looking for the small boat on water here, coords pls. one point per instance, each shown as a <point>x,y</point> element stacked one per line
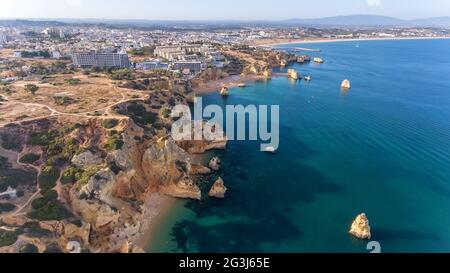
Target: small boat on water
<point>224,92</point>
<point>318,60</point>
<point>346,84</point>
<point>242,85</point>
<point>308,78</point>
<point>270,150</point>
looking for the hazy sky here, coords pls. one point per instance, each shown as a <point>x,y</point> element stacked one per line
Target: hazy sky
<point>219,9</point>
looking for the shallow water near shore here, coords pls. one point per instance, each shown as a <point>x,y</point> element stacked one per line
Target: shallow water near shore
<point>382,148</point>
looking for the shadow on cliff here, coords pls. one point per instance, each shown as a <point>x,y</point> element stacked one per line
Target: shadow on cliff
<point>257,211</point>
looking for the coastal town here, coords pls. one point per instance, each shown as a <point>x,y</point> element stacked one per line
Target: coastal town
<point>86,157</point>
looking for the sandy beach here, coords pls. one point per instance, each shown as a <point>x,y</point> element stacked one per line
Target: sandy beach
<point>229,82</point>
<point>278,42</point>
<point>158,206</point>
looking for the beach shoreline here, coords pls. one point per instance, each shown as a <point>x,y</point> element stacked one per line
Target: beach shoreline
<point>217,85</point>
<point>229,82</point>
<point>319,41</point>
<point>157,207</point>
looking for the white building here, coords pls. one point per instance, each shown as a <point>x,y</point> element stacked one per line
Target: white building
<point>101,60</point>
<point>192,66</point>
<point>177,52</point>
<point>56,54</point>
<point>155,65</point>
<point>17,54</point>
<point>54,32</point>
<point>3,39</point>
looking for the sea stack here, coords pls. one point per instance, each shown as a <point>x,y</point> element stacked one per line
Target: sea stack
<point>218,190</point>
<point>214,164</point>
<point>361,228</point>
<point>224,92</point>
<point>318,60</point>
<point>346,84</point>
<point>293,74</point>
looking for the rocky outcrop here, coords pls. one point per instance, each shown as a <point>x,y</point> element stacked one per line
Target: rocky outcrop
<point>86,160</point>
<point>201,146</point>
<point>361,228</point>
<point>267,73</point>
<point>218,190</point>
<point>101,186</point>
<point>215,139</point>
<point>110,195</point>
<point>214,164</point>
<point>185,188</point>
<point>96,213</point>
<point>67,231</point>
<point>14,221</point>
<point>166,166</point>
<point>200,170</point>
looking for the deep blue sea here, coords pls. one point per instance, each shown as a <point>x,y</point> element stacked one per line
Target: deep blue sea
<point>382,148</point>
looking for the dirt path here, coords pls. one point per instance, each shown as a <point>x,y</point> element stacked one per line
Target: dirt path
<point>14,158</point>
<point>55,112</point>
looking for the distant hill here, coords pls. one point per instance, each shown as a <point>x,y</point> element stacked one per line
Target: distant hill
<point>353,20</point>
<point>433,22</point>
<point>15,23</point>
<point>369,20</point>
<point>336,21</point>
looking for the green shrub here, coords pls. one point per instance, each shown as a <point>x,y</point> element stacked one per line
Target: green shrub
<point>6,207</point>
<point>43,139</point>
<point>50,195</point>
<point>10,142</point>
<point>29,158</point>
<point>110,123</point>
<point>28,248</point>
<point>13,178</point>
<point>53,248</point>
<point>140,115</point>
<point>122,74</point>
<point>7,238</point>
<point>85,177</point>
<point>146,50</point>
<point>32,88</point>
<point>71,175</point>
<point>57,160</point>
<point>48,177</point>
<point>47,197</point>
<point>114,142</point>
<point>62,100</point>
<point>33,229</point>
<point>165,113</point>
<point>52,211</point>
<point>38,203</point>
<point>55,149</point>
<point>73,81</point>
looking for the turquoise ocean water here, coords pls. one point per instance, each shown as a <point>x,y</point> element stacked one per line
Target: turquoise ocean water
<point>382,148</point>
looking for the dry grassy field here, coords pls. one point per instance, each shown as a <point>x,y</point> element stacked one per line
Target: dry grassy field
<point>91,96</point>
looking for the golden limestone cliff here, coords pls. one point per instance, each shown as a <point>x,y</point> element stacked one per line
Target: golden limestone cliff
<point>110,173</point>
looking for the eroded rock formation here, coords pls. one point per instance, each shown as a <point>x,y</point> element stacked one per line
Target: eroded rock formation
<point>361,228</point>
<point>218,190</point>
<point>214,164</point>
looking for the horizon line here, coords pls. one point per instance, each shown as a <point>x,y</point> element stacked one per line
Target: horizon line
<point>209,20</point>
